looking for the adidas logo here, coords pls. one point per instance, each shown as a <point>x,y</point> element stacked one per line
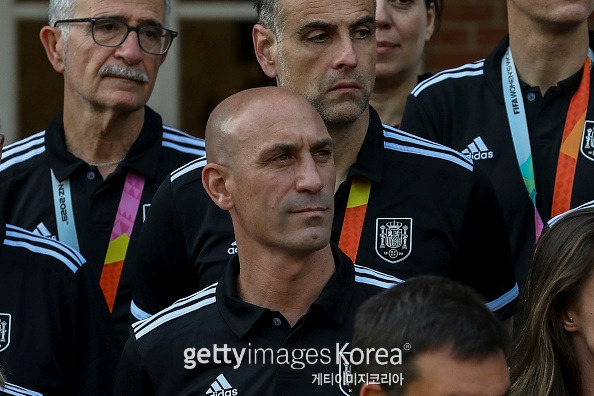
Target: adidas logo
<point>42,230</point>
<point>477,150</point>
<point>221,387</point>
<point>233,249</point>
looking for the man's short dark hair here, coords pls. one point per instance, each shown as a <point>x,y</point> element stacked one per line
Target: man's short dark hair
<point>428,313</point>
<point>269,13</point>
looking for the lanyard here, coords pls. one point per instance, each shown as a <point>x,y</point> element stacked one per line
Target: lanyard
<point>64,212</point>
<point>514,105</point>
<point>354,215</point>
<point>120,234</point>
<point>570,143</point>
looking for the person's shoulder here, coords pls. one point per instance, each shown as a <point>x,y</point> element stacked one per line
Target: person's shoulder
<point>165,322</point>
<point>450,79</point>
<point>38,250</point>
<point>23,151</point>
<point>13,389</point>
<point>428,151</point>
<point>182,142</point>
<point>377,280</point>
<point>188,175</point>
<point>369,282</point>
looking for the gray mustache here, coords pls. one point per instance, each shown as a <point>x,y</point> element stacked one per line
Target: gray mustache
<point>121,71</point>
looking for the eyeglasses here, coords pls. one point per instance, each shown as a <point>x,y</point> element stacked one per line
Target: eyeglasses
<point>110,32</point>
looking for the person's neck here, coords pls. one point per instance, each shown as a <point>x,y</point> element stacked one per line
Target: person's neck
<point>288,283</point>
<point>101,137</point>
<point>389,97</point>
<point>348,139</point>
<point>545,56</point>
<point>585,362</point>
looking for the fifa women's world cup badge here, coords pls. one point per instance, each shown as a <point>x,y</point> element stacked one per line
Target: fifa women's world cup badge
<point>393,238</point>
<point>4,331</point>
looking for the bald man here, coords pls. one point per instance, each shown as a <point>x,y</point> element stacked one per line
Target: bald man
<point>288,291</point>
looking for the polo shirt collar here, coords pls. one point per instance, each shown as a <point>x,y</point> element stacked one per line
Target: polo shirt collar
<point>143,155</point>
<point>492,70</point>
<point>333,302</point>
<point>370,159</point>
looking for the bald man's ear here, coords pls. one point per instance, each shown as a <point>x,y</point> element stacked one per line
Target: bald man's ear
<point>264,47</point>
<point>52,40</point>
<point>214,177</point>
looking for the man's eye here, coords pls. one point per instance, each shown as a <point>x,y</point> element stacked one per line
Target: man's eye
<point>319,38</point>
<point>107,26</point>
<point>363,33</point>
<point>324,154</point>
<point>400,2</point>
<point>281,157</point>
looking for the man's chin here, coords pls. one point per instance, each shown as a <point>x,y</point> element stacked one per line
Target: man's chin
<point>345,113</point>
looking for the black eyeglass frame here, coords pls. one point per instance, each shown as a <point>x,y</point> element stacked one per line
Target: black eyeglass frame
<point>137,29</point>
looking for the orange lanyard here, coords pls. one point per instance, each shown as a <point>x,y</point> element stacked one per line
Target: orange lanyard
<point>354,216</point>
<point>570,144</point>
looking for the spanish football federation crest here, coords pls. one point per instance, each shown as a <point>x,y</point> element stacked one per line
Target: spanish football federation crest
<point>4,331</point>
<point>587,146</point>
<point>344,373</point>
<point>393,238</point>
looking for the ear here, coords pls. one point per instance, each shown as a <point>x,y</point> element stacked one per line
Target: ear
<point>51,38</point>
<point>265,47</point>
<point>570,319</point>
<point>214,180</point>
<point>372,390</point>
<point>431,20</point>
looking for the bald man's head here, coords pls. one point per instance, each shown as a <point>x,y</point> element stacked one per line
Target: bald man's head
<point>271,165</point>
<point>240,118</point>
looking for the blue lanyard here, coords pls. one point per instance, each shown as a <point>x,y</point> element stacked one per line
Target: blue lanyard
<point>64,212</point>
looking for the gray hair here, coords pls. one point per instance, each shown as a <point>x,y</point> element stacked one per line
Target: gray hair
<point>270,15</point>
<point>64,9</point>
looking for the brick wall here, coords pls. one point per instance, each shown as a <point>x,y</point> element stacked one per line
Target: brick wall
<point>469,31</point>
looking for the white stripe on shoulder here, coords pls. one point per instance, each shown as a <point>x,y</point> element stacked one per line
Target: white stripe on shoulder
<point>18,237</point>
<point>12,389</point>
<point>375,278</point>
<point>182,141</point>
<point>138,312</point>
<point>504,299</point>
<point>180,308</point>
<point>23,150</point>
<point>198,163</point>
<point>399,140</point>
<point>555,219</point>
<point>468,70</point>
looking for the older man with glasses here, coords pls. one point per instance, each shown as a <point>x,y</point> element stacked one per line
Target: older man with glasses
<point>89,177</point>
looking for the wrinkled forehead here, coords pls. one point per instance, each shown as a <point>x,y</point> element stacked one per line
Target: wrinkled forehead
<point>139,10</point>
<point>334,12</point>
